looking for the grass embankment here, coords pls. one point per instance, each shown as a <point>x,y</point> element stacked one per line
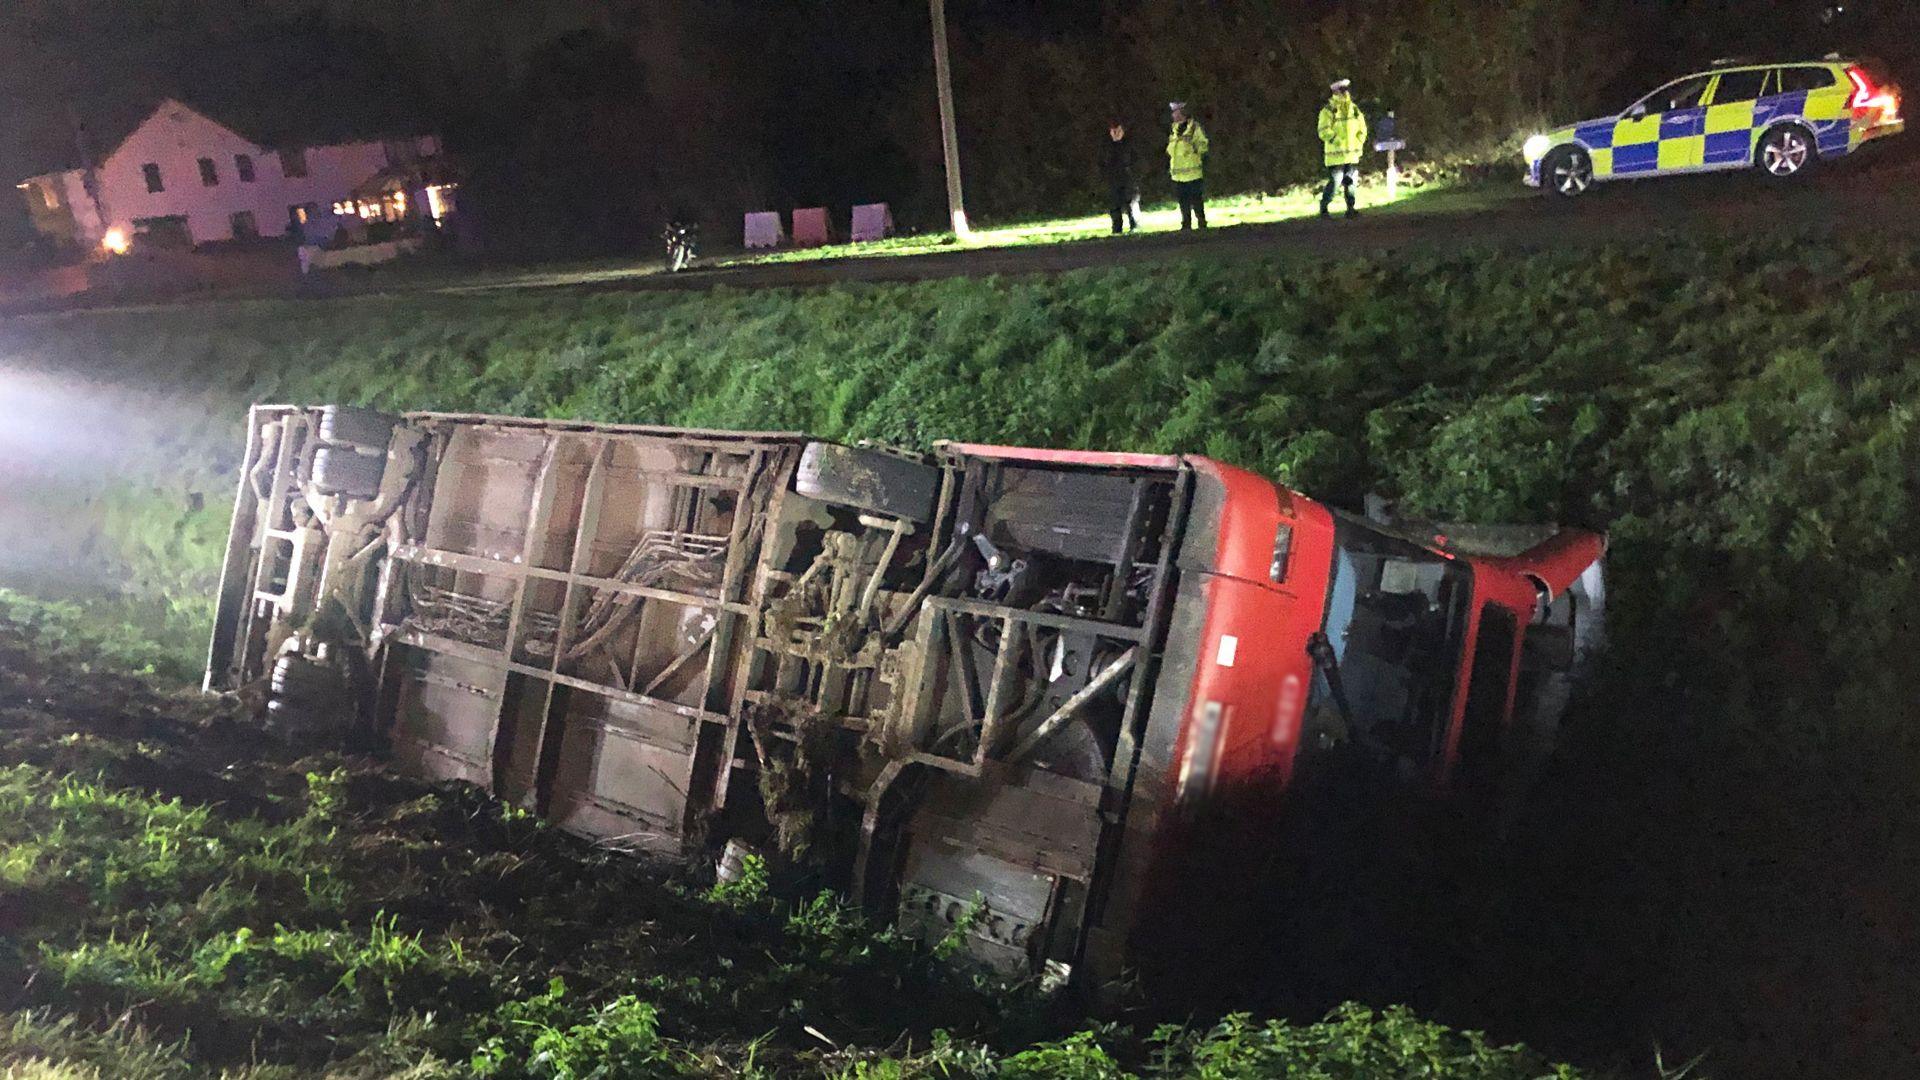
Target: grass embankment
<point>184,899</point>
<point>1724,854</point>
<point>1451,187</point>
<point>1433,189</point>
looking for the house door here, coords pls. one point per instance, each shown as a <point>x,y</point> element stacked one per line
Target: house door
<point>244,227</point>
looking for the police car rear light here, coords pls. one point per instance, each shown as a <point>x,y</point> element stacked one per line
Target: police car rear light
<point>1863,91</point>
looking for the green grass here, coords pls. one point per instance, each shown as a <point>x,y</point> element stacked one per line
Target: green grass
<point>1425,191</point>
<point>1226,212</point>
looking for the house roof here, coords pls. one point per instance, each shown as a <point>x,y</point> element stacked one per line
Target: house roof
<point>105,132</point>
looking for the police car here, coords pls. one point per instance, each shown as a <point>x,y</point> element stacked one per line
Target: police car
<point>1781,118</point>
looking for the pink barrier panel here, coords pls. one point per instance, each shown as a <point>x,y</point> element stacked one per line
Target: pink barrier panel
<point>811,227</point>
<point>763,230</point>
<point>872,221</point>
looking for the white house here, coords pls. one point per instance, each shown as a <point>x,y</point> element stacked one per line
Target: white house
<point>185,178</point>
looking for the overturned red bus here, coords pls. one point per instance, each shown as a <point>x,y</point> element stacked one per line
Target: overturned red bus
<point>980,687</point>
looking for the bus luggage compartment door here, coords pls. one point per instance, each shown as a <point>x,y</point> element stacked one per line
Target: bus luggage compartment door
<point>1004,860</point>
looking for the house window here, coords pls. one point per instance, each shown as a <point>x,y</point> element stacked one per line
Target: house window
<point>209,173</point>
<point>152,173</point>
<point>293,163</point>
<point>303,221</point>
<point>439,201</point>
<point>244,227</point>
<point>243,165</point>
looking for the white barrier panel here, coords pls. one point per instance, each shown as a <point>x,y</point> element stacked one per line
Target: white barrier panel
<point>763,230</point>
<point>872,221</point>
<point>317,258</point>
<point>811,227</point>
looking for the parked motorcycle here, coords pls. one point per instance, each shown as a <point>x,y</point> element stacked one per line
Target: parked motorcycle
<point>683,245</point>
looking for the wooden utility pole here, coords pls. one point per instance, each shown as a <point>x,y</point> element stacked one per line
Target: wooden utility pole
<point>949,137</point>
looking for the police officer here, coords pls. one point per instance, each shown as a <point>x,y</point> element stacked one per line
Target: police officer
<point>1116,168</point>
<point>1186,164</point>
<point>1343,135</point>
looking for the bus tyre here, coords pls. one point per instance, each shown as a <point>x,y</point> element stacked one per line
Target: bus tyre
<point>1787,151</point>
<point>339,471</point>
<point>364,429</point>
<point>308,698</point>
<point>1567,172</point>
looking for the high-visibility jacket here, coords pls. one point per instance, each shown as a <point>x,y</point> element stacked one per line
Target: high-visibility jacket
<point>1343,131</point>
<point>1186,151</point>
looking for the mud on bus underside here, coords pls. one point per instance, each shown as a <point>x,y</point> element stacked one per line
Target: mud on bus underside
<point>926,678</point>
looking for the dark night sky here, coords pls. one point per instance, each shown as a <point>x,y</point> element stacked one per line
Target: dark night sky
<point>359,63</point>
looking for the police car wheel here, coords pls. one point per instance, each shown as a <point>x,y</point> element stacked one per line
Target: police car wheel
<point>1786,151</point>
<point>1567,172</point>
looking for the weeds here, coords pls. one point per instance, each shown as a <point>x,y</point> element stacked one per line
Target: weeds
<point>954,940</point>
<point>748,890</point>
<point>550,1037</point>
<point>154,938</point>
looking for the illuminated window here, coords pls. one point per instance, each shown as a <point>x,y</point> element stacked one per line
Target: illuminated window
<point>243,167</point>
<point>152,173</point>
<point>439,200</point>
<point>209,172</point>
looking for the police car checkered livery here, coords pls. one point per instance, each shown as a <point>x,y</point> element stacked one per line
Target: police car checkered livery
<point>1777,117</point>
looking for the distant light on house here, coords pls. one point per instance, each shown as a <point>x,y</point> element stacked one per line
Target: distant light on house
<point>438,204</point>
<point>117,241</point>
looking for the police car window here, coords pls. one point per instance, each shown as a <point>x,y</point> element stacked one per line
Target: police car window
<point>1740,86</point>
<point>1683,94</point>
<point>1806,78</point>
